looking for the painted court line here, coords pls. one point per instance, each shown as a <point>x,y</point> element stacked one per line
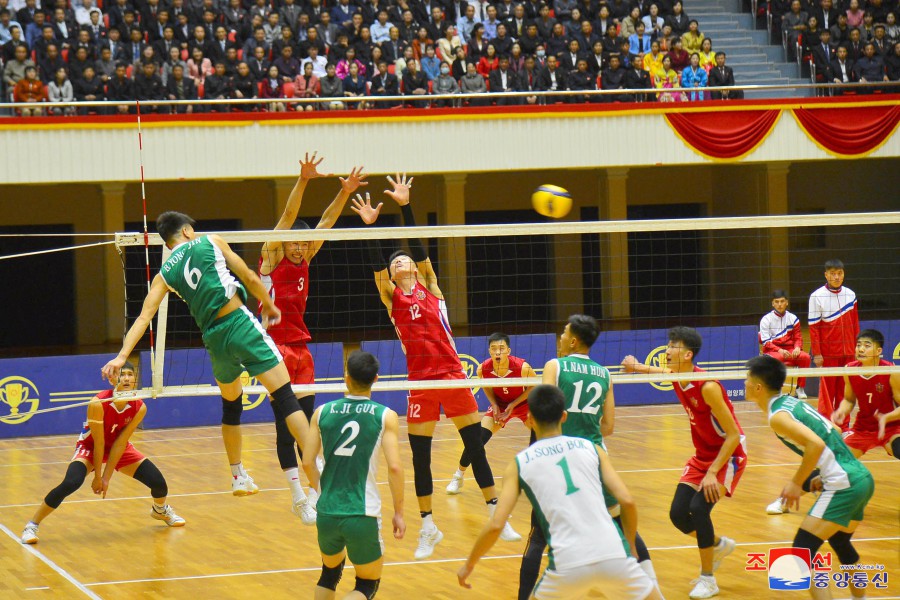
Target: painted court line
<point>415,562</point>
<point>65,574</point>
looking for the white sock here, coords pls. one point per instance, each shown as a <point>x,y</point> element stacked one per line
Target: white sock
<point>428,523</point>
<point>460,473</point>
<point>647,566</point>
<point>293,477</point>
<point>238,470</point>
<point>160,508</point>
<point>492,508</point>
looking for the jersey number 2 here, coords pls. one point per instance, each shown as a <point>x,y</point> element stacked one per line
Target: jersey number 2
<point>345,449</point>
<point>591,407</point>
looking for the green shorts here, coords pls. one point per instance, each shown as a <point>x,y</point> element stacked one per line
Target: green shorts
<point>843,506</point>
<point>237,342</point>
<point>360,535</point>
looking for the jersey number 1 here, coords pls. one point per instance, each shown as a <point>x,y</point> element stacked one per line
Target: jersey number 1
<point>570,485</point>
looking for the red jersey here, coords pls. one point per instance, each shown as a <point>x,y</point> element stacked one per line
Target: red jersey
<point>708,436</point>
<point>873,394</point>
<point>504,395</point>
<point>114,421</point>
<point>420,319</point>
<point>288,286</point>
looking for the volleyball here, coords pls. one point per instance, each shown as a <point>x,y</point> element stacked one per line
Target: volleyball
<point>552,201</point>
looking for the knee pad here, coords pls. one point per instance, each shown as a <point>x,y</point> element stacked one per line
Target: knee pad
<point>284,402</point>
<point>840,543</point>
<point>308,405</point>
<point>231,411</point>
<point>367,587</point>
<point>148,474</point>
<point>331,576</point>
<point>805,539</point>
<point>680,510</point>
<point>284,445</point>
<point>808,483</point>
<point>700,517</point>
<point>895,448</point>
<point>420,445</point>
<point>472,440</point>
<point>74,478</point>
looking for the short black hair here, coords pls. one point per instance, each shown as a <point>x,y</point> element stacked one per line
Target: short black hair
<point>834,263</point>
<point>769,370</point>
<point>872,334</point>
<point>170,223</point>
<point>585,328</point>
<point>779,293</point>
<point>300,225</point>
<point>546,403</point>
<point>395,254</point>
<point>362,367</point>
<point>720,53</point>
<point>498,337</point>
<point>128,367</point>
<point>688,336</point>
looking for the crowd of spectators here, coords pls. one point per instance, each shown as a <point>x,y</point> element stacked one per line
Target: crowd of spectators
<point>338,50</point>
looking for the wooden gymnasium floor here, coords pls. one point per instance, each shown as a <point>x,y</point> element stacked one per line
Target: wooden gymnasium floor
<point>254,547</point>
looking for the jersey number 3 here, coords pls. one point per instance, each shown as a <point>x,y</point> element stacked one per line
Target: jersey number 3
<point>345,449</point>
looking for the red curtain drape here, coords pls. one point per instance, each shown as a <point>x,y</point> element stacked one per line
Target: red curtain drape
<point>849,131</point>
<point>724,134</point>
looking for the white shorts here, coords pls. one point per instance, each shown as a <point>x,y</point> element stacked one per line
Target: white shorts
<point>620,578</point>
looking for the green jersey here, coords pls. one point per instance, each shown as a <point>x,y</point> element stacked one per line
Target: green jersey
<point>196,271</point>
<point>585,384</point>
<point>838,467</point>
<point>351,429</point>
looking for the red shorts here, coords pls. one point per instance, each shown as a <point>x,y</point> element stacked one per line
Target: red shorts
<point>519,412</point>
<point>424,406</point>
<point>867,440</point>
<point>129,457</point>
<point>695,470</point>
<point>299,363</point>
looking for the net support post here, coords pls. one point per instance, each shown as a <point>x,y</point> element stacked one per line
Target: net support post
<point>113,205</point>
<point>613,204</point>
<point>162,317</point>
<point>452,211</point>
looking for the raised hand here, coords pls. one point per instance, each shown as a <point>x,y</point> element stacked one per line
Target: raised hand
<point>355,180</point>
<point>401,186</point>
<point>110,370</point>
<point>364,208</point>
<point>309,167</point>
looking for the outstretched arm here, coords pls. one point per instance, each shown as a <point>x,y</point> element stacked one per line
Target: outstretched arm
<point>354,181</point>
<point>158,291</point>
<point>118,448</point>
<point>272,252</point>
<point>400,194</point>
<point>369,215</point>
<point>632,365</point>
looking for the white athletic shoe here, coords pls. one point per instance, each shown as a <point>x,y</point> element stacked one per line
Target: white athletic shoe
<point>456,484</point>
<point>29,536</point>
<point>427,541</point>
<point>168,515</point>
<point>801,393</point>
<point>508,534</point>
<point>704,587</point>
<point>779,507</point>
<point>320,464</point>
<point>243,486</point>
<point>724,548</point>
<point>305,510</point>
<point>313,496</point>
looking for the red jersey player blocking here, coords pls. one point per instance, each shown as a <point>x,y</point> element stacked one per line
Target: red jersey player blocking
<point>409,290</point>
<point>833,327</point>
<point>718,462</point>
<point>109,425</point>
<point>878,419</point>
<point>284,270</point>
<point>506,402</point>
<point>779,335</point>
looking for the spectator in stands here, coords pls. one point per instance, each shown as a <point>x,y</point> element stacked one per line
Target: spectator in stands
<point>595,59</point>
<point>558,42</point>
<point>199,67</point>
<point>823,52</point>
<point>569,59</point>
<point>381,28</point>
<point>840,70</point>
<point>867,29</point>
<point>653,22</point>
<point>636,78</point>
<point>680,58</point>
<point>89,89</point>
<point>120,88</point>
<point>385,84</point>
<point>394,47</point>
<point>50,64</point>
<point>401,63</point>
<point>854,46</point>
<point>855,15</point>
<point>163,46</point>
<point>318,61</point>
<point>307,86</point>
<point>408,27</point>
<point>39,46</point>
<point>289,14</point>
<point>653,60</point>
<point>437,25</point>
<point>604,21</point>
<point>477,44</point>
<point>516,59</point>
<point>545,23</point>
<point>840,32</point>
<point>678,20</point>
<point>488,62</point>
<point>114,43</point>
<point>342,13</point>
<point>629,23</point>
<point>64,32</point>
<point>445,84</point>
<point>869,69</point>
<point>34,29</point>
<point>722,75</point>
<point>473,83</point>
<point>328,31</point>
<point>173,59</point>
<point>795,23</point>
<point>552,79</point>
<point>259,64</point>
<point>272,28</point>
<point>618,10</point>
<point>83,40</point>
<point>354,86</point>
<point>342,69</point>
<point>882,46</point>
<point>431,64</point>
<point>504,80</point>
<point>273,87</point>
<point>810,37</point>
<point>288,66</point>
<point>669,81</point>
<point>516,24</point>
<point>707,56</point>
<point>218,87</point>
<point>60,90</point>
<point>613,78</point>
<point>414,84</point>
<point>581,79</point>
<point>610,43</point>
<point>460,66</point>
<point>694,77</point>
<point>286,39</point>
<point>79,63</point>
<point>639,41</point>
<point>105,66</point>
<point>6,23</point>
<point>134,49</point>
<point>16,40</point>
<point>892,67</point>
<point>693,38</point>
<point>332,87</point>
<point>180,87</point>
<point>530,41</point>
<point>530,81</point>
<point>260,9</point>
<point>466,23</point>
<point>563,9</point>
<point>364,46</point>
<point>490,24</point>
<point>892,29</point>
<point>626,56</point>
<point>420,42</point>
<point>148,87</point>
<point>825,14</point>
<point>573,26</point>
<point>372,62</point>
<point>258,40</point>
<point>30,89</point>
<point>447,43</point>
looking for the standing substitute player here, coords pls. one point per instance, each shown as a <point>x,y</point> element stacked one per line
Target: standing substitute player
<point>409,290</point>
<point>719,459</point>
<point>590,409</point>
<point>284,270</point>
<point>565,479</point>
<point>847,485</point>
<point>506,402</point>
<point>105,439</point>
<point>878,419</point>
<point>350,431</point>
<point>200,272</point>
